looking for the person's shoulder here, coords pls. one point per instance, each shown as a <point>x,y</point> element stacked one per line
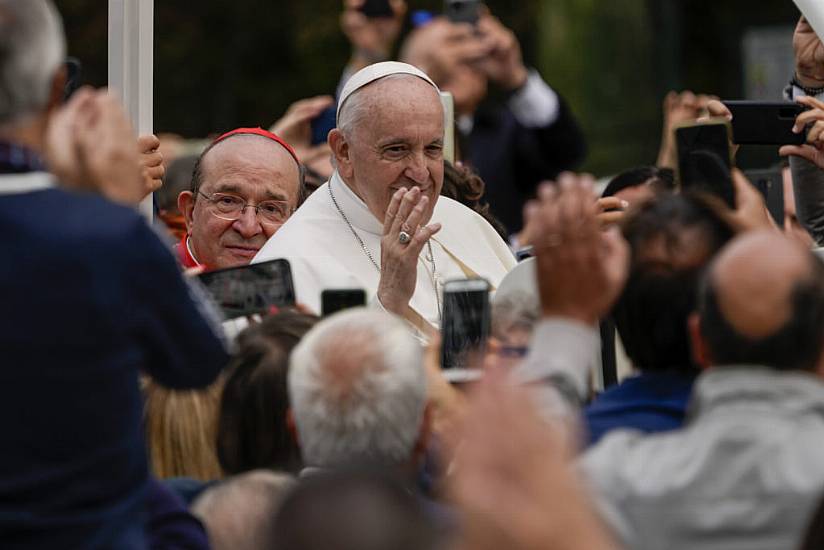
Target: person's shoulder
<point>309,224</point>
<point>448,209</point>
<point>62,215</point>
<point>457,217</point>
<point>636,450</point>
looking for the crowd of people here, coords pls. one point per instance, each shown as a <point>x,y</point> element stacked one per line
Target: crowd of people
<point>136,416</point>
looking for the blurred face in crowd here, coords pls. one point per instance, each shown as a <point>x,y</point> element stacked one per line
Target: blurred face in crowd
<point>250,169</point>
<point>445,52</point>
<point>468,87</point>
<point>396,142</point>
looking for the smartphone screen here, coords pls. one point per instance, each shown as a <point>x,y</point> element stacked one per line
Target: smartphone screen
<point>332,301</point>
<point>377,8</point>
<point>704,161</point>
<point>462,11</point>
<point>466,322</point>
<point>250,289</point>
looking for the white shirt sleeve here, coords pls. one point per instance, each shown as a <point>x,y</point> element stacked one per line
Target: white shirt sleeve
<point>561,356</point>
<point>535,105</point>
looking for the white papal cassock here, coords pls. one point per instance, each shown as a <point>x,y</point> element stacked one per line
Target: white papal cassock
<point>325,253</point>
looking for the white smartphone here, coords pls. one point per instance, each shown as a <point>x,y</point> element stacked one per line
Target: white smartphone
<point>465,328</point>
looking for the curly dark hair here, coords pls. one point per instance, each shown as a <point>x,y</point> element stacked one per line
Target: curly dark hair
<point>465,186</point>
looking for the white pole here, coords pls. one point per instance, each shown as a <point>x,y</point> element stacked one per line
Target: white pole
<point>131,64</point>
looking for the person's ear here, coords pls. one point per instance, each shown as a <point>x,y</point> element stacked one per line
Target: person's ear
<point>292,426</point>
<point>700,351</point>
<point>186,206</point>
<point>342,152</point>
<point>424,435</point>
<point>58,88</point>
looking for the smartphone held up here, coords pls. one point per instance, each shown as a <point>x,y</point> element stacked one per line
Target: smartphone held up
<point>463,11</point>
<point>251,289</point>
<point>705,158</point>
<point>465,328</point>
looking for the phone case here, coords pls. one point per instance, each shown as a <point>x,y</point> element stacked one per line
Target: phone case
<point>765,123</point>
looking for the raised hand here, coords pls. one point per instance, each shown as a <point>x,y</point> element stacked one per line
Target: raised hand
<point>440,48</point>
<point>401,245</point>
<point>503,63</point>
<point>372,39</point>
<point>151,163</point>
<point>513,485</point>
<point>813,151</point>
<point>295,126</point>
<point>581,269</point>
<point>611,211</point>
<point>677,109</point>
<point>91,145</point>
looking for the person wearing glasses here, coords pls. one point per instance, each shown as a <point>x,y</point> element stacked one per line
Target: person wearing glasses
<point>245,185</point>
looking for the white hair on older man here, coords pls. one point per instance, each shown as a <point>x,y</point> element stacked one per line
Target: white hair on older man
<point>238,512</point>
<point>32,49</point>
<point>357,389</point>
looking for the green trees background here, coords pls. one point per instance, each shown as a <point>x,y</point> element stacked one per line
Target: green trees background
<point>222,64</point>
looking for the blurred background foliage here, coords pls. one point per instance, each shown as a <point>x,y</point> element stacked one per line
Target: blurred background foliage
<point>222,64</point>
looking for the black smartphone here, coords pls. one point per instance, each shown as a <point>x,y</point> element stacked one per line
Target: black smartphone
<point>465,326</point>
<point>322,124</point>
<point>74,74</point>
<point>705,159</point>
<point>250,289</point>
<point>765,123</point>
<point>334,300</point>
<point>463,11</point>
<point>770,183</point>
<point>377,8</point>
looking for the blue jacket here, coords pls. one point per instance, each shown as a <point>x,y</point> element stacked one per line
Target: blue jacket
<point>651,402</point>
<point>90,298</point>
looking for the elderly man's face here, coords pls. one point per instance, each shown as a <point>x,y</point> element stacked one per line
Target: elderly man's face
<point>248,168</point>
<point>398,142</point>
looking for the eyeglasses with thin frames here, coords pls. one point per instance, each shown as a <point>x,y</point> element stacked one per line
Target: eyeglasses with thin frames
<point>231,207</point>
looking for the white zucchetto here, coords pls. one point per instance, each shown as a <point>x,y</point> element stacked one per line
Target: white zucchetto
<point>374,72</point>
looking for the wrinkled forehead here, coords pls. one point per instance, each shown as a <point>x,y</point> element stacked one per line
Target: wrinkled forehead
<point>253,150</point>
<point>251,159</point>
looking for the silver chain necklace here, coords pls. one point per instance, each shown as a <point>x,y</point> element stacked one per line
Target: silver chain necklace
<point>366,250</point>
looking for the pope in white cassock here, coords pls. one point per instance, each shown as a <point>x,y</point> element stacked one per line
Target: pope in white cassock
<point>380,223</point>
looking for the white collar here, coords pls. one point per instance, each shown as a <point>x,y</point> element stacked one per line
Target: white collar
<point>353,207</point>
<point>189,250</point>
<point>13,184</point>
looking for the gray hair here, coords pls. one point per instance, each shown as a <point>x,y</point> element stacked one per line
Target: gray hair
<point>32,48</point>
<point>238,513</point>
<point>516,310</point>
<point>357,389</point>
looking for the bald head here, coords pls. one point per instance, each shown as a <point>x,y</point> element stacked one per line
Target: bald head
<point>754,280</point>
<point>763,303</point>
<point>250,155</point>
